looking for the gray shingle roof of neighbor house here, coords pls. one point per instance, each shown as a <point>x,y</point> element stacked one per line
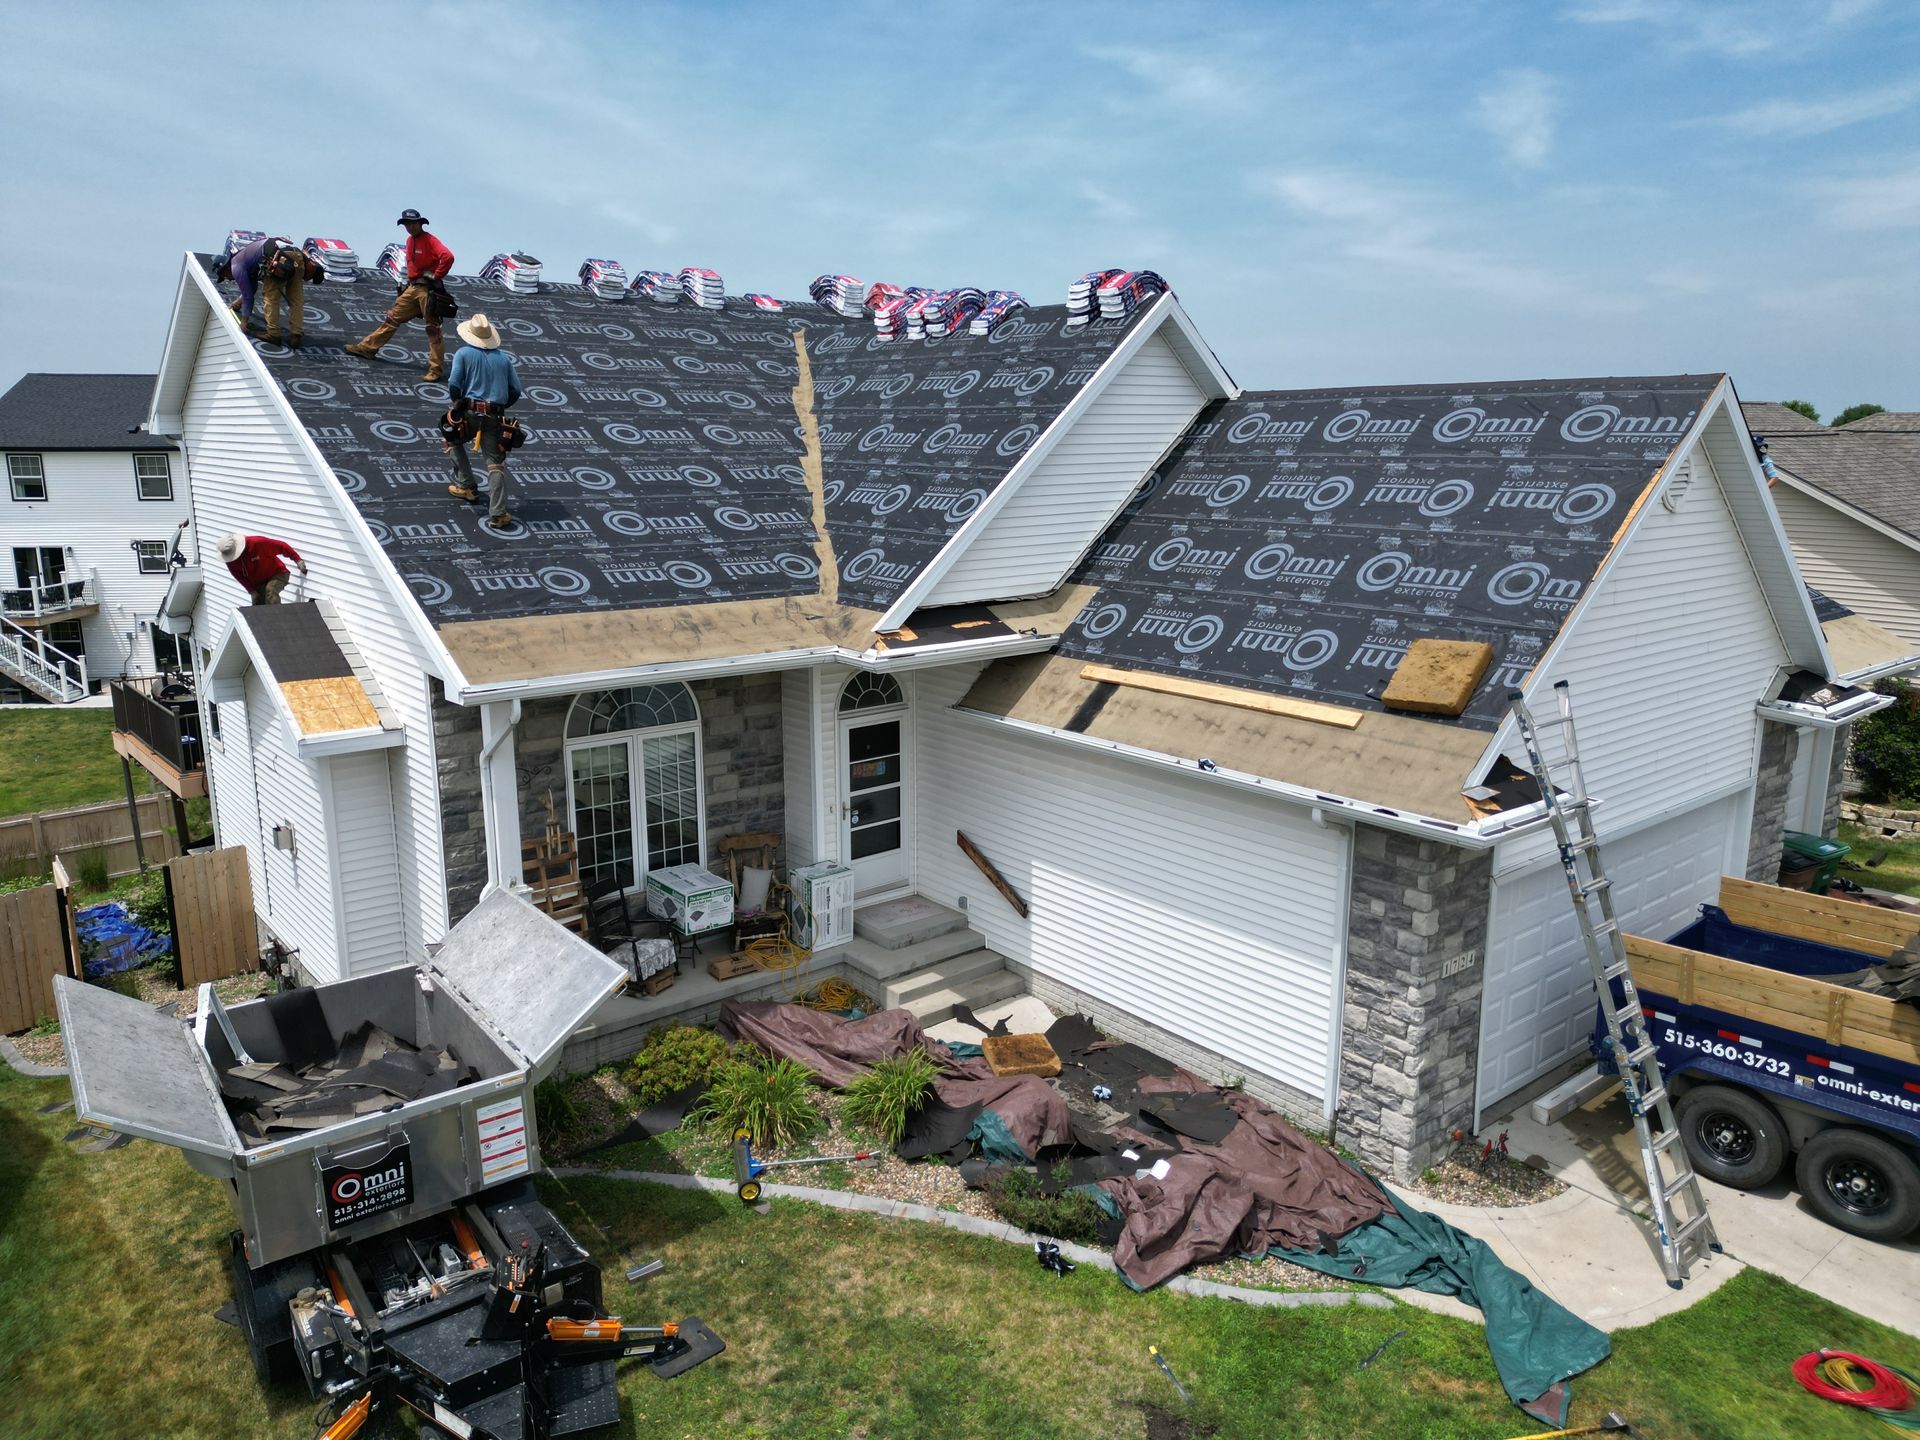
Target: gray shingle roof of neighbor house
<point>77,412</point>
<point>1887,420</point>
<point>1876,472</point>
<point>1764,417</point>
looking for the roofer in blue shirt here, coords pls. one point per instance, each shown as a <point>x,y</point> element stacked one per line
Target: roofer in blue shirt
<point>483,384</point>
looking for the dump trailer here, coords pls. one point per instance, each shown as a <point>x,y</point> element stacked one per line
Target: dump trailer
<point>376,1138</point>
<point>1771,1062</point>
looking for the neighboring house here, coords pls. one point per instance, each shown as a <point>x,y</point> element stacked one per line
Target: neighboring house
<point>89,518</point>
<point>1064,589</point>
<point>1850,501</point>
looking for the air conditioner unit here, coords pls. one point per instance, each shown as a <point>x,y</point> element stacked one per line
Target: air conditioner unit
<point>821,910</point>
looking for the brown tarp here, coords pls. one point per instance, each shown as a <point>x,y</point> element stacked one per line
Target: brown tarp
<point>839,1050</point>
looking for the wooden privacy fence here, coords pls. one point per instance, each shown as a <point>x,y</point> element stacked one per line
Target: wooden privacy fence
<point>33,949</point>
<point>214,933</point>
<point>29,844</point>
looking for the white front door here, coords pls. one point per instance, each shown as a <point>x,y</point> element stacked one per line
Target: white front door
<point>876,800</point>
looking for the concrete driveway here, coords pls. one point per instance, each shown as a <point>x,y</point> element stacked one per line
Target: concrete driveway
<point>1587,1250</point>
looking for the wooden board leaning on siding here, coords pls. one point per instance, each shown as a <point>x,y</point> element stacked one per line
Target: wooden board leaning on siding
<point>1831,1013</point>
<point>1868,929</point>
<point>33,950</point>
<point>213,926</point>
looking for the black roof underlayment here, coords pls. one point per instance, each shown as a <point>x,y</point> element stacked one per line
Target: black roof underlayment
<point>1297,542</point>
<point>662,465</point>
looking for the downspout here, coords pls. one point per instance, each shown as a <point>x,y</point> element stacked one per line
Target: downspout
<point>487,752</point>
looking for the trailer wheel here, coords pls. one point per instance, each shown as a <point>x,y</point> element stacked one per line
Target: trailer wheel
<point>269,1337</point>
<point>1861,1183</point>
<point>1732,1136</point>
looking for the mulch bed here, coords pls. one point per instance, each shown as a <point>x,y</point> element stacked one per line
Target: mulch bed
<point>1460,1179</point>
<point>154,984</point>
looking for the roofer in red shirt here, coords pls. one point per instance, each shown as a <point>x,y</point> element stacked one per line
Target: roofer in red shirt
<point>259,563</point>
<point>423,297</point>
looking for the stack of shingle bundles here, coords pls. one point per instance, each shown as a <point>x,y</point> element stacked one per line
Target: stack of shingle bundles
<point>605,278</point>
<point>393,262</point>
<point>950,311</point>
<point>336,259</point>
<point>1083,296</point>
<point>238,240</point>
<point>703,287</point>
<point>657,286</point>
<point>999,305</point>
<point>518,272</point>
<point>842,294</point>
<point>1122,294</point>
<point>879,293</point>
<point>890,311</point>
<point>763,302</point>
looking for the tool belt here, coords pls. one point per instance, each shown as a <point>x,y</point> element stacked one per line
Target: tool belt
<point>482,408</point>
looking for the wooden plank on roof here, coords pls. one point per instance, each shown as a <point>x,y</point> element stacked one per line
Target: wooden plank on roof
<point>1206,690</point>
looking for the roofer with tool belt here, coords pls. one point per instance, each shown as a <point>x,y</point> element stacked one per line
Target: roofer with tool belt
<point>276,269</point>
<point>259,563</point>
<point>423,297</point>
<point>483,384</point>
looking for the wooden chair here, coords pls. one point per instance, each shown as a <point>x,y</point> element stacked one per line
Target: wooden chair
<point>759,850</point>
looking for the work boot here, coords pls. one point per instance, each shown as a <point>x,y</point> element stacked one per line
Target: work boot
<point>438,372</point>
<point>464,492</point>
<point>498,522</point>
<point>293,341</point>
<point>361,350</point>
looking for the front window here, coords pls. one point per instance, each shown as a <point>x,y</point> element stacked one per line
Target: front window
<point>152,555</point>
<point>633,773</point>
<point>27,476</point>
<point>169,651</point>
<point>152,479</point>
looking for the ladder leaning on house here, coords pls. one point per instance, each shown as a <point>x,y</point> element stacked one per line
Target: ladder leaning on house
<point>1570,812</point>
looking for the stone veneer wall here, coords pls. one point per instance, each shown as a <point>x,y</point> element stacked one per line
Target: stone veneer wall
<point>1411,1034</point>
<point>1778,744</point>
<point>1836,782</point>
<point>741,754</point>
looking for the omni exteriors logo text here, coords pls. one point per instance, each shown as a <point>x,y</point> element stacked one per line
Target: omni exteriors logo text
<point>354,1186</point>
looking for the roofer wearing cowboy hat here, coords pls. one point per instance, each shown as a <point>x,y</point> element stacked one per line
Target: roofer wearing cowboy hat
<point>422,297</point>
<point>483,384</point>
<point>259,563</point>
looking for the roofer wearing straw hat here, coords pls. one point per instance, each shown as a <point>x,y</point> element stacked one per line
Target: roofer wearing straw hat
<point>483,384</point>
<point>424,297</point>
<point>259,563</point>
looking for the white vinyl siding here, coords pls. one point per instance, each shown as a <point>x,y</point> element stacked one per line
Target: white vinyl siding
<point>297,884</point>
<point>249,473</point>
<point>1854,563</point>
<point>1031,545</point>
<point>366,860</point>
<point>1215,915</point>
<point>798,757</point>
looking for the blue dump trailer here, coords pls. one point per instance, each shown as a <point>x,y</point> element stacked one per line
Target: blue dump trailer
<point>1771,1063</point>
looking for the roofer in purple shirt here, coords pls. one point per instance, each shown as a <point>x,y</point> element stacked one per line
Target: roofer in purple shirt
<point>277,269</point>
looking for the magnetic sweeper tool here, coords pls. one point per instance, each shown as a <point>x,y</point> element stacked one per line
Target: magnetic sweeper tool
<point>747,1170</point>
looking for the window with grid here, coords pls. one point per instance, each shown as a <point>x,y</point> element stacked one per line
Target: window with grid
<point>633,763</point>
<point>152,478</point>
<point>27,476</point>
<point>152,555</point>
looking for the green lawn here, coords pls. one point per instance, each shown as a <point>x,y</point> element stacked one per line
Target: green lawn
<point>842,1325</point>
<point>55,759</point>
<point>1898,871</point>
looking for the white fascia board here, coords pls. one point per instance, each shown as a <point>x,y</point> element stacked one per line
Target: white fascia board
<point>1197,355</point>
<point>1871,673</point>
<point>349,742</point>
<point>1813,492</point>
<point>399,593</point>
<point>1815,717</point>
<point>935,570</point>
<point>166,407</point>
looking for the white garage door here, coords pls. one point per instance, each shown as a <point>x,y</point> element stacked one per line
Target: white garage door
<point>1538,1008</point>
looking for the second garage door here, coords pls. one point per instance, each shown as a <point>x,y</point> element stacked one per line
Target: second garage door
<point>1538,1008</point>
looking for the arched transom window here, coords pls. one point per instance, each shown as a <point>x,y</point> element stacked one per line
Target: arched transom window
<point>633,783</point>
<point>868,691</point>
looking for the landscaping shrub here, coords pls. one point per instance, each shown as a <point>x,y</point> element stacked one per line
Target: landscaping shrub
<point>146,902</point>
<point>1886,747</point>
<point>1071,1215</point>
<point>554,1110</point>
<point>881,1100</point>
<point>90,872</point>
<point>772,1100</point>
<point>674,1057</point>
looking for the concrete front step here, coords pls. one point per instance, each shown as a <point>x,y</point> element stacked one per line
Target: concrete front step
<point>896,924</point>
<point>937,1005</point>
<point>944,975</point>
<point>884,964</point>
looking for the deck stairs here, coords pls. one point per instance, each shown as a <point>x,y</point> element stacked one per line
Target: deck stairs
<point>45,669</point>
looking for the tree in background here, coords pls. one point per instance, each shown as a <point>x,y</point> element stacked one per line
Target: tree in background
<point>1886,746</point>
<point>1802,407</point>
<point>1856,412</point>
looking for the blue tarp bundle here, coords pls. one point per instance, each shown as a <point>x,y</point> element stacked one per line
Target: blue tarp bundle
<point>111,940</point>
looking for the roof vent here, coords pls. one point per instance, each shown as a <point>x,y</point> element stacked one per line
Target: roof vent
<point>1438,677</point>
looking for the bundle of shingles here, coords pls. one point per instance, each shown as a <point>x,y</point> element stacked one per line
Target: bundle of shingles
<point>659,286</point>
<point>336,259</point>
<point>1083,296</point>
<point>947,312</point>
<point>763,302</point>
<point>842,294</point>
<point>999,305</point>
<point>703,287</point>
<point>1120,295</point>
<point>517,271</point>
<point>393,263</point>
<point>894,314</point>
<point>607,279</point>
<point>238,240</point>
<point>371,1071</point>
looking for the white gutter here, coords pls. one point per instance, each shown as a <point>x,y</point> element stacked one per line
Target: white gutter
<point>1878,672</point>
<point>1815,717</point>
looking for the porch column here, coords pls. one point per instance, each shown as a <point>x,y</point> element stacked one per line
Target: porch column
<point>500,792</point>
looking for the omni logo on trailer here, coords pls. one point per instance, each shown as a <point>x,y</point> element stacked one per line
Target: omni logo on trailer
<point>353,1186</point>
<point>356,1192</point>
<point>1470,422</point>
<point>1591,423</point>
<point>1260,428</point>
<point>1359,424</point>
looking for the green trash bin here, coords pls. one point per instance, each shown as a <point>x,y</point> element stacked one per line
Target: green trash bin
<point>1804,851</point>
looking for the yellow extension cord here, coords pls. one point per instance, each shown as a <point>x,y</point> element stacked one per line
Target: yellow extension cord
<point>1836,1370</point>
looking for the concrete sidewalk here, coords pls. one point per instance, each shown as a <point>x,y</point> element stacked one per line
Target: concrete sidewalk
<point>1586,1248</point>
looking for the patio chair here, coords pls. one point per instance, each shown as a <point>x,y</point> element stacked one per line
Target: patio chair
<point>752,863</point>
<point>640,944</point>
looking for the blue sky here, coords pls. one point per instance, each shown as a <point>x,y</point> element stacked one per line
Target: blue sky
<point>1342,194</point>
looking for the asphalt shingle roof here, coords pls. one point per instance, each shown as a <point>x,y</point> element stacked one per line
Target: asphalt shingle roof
<point>1875,471</point>
<point>77,412</point>
<point>1764,417</point>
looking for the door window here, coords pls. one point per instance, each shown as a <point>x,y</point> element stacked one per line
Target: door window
<point>873,788</point>
<point>635,784</point>
<point>603,815</point>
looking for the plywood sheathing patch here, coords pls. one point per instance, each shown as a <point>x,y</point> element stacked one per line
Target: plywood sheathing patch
<point>1227,695</point>
<point>813,466</point>
<point>1393,761</point>
<point>330,705</point>
<point>1438,677</point>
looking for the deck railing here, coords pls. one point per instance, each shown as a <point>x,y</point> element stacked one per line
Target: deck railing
<point>40,600</point>
<point>161,713</point>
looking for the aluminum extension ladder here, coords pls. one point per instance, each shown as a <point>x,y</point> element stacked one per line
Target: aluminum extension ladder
<point>1681,1236</point>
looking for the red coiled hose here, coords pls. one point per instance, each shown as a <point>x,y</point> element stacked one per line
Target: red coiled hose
<point>1889,1391</point>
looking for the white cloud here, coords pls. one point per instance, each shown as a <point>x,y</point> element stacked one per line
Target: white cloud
<point>1519,111</point>
<point>1732,28</point>
<point>1889,200</point>
<point>1818,117</point>
<point>1185,81</point>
